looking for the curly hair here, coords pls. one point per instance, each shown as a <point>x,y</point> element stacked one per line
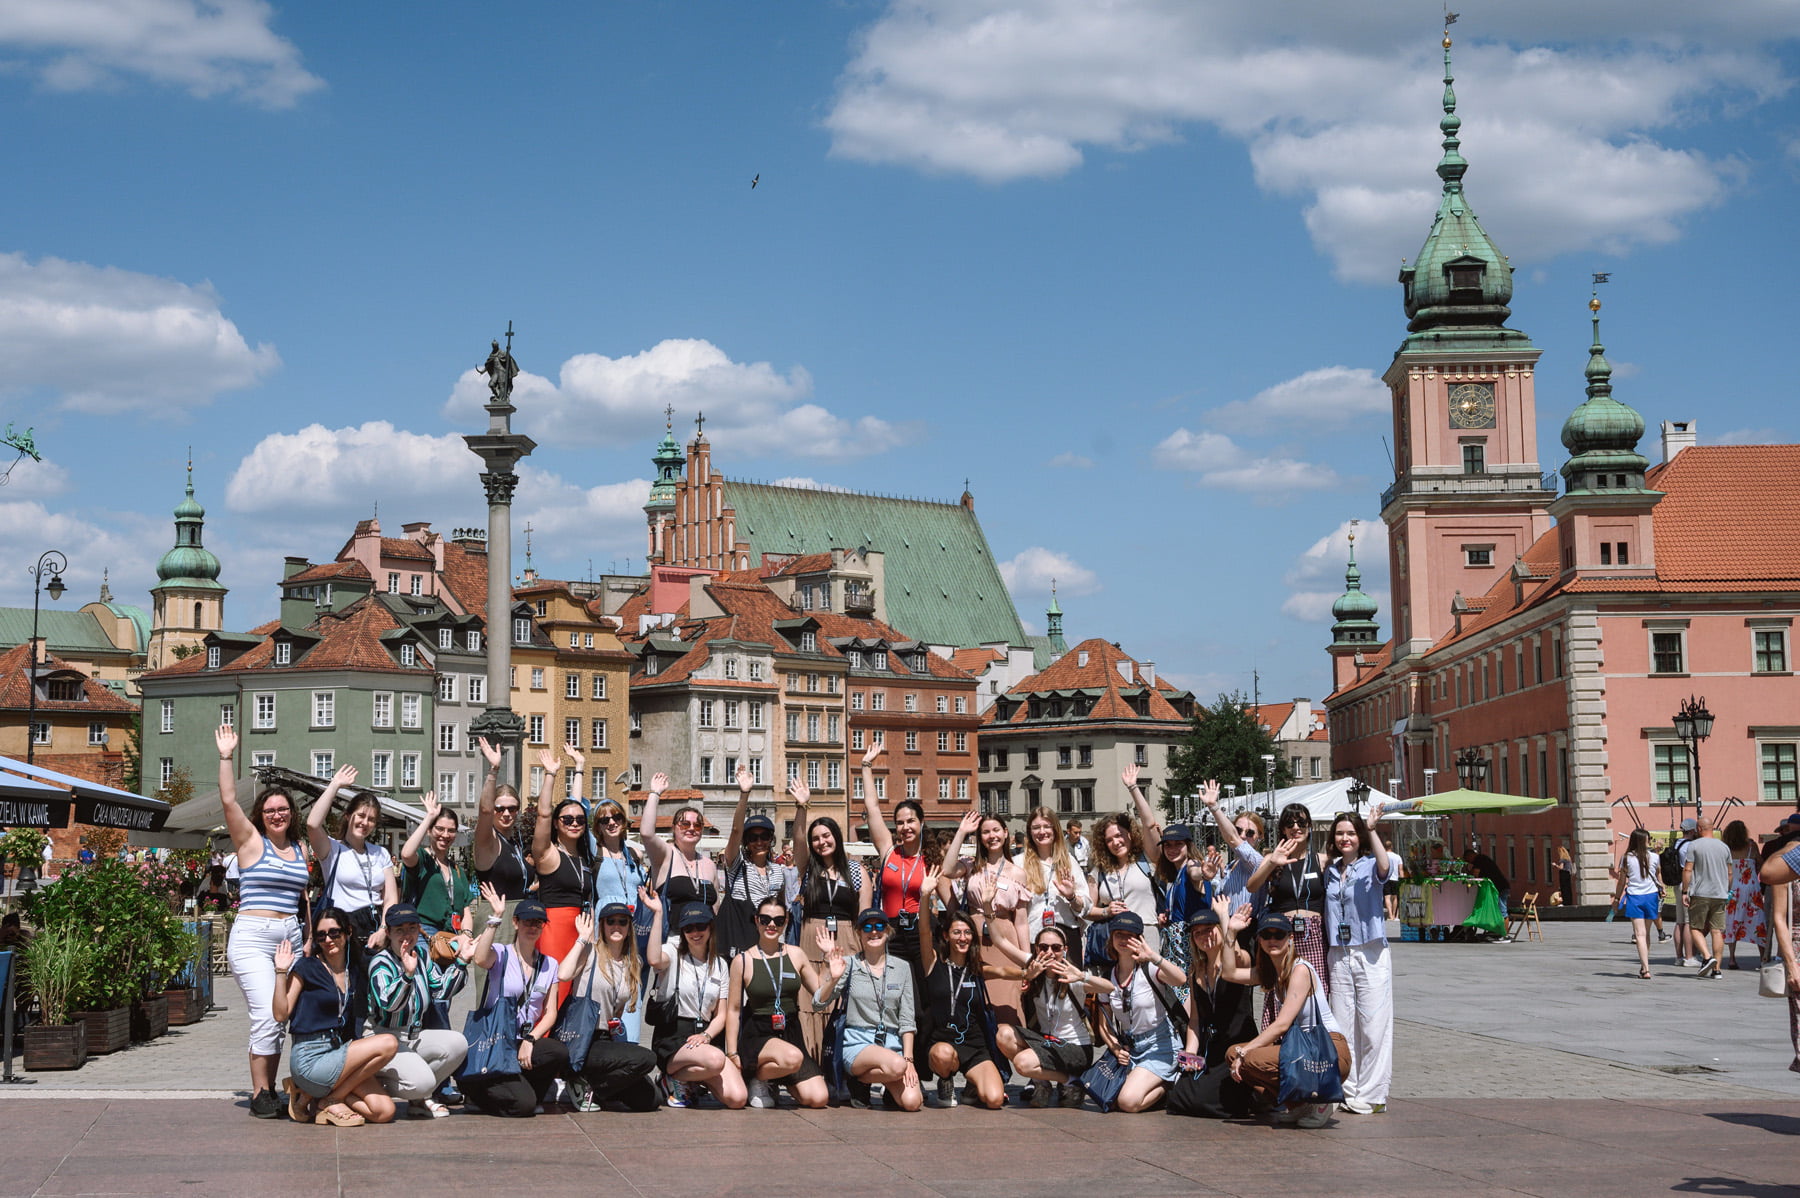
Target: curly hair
<point>1134,846</point>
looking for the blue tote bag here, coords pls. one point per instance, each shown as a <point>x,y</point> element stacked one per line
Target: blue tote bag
<point>1309,1061</point>
<point>492,1030</point>
<point>578,1020</point>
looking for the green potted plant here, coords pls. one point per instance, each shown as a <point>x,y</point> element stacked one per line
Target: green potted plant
<point>24,848</point>
<point>53,962</point>
<point>109,904</point>
<point>181,989</point>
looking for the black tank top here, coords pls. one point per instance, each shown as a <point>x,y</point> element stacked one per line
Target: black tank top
<point>839,897</point>
<point>1299,886</point>
<point>681,887</point>
<point>570,884</point>
<point>953,995</point>
<point>507,874</point>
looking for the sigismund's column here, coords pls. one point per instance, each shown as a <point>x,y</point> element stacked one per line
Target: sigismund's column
<point>500,450</point>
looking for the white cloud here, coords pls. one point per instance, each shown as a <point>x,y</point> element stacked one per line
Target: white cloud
<point>109,340</point>
<point>572,519</point>
<point>757,409</point>
<point>1070,460</point>
<point>1319,399</point>
<point>808,484</point>
<point>1220,462</point>
<point>1032,571</point>
<point>126,543</point>
<point>1316,578</point>
<point>1335,103</point>
<point>319,469</point>
<point>28,479</point>
<point>205,47</point>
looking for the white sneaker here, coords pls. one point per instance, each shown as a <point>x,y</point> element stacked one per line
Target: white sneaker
<point>1288,1116</point>
<point>1315,1116</point>
<point>761,1097</point>
<point>946,1092</point>
<point>1355,1106</point>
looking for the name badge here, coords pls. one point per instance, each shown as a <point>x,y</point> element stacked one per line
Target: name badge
<point>1002,885</point>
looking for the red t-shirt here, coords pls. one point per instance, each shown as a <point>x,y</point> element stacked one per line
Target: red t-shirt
<point>902,878</point>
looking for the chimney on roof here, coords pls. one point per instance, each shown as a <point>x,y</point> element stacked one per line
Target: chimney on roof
<point>1125,669</point>
<point>1677,435</point>
<point>294,565</point>
<point>1147,672</point>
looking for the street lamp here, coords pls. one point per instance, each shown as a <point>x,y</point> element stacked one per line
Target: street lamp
<point>56,563</point>
<point>1471,769</point>
<point>1693,724</point>
<point>1268,764</point>
<point>1358,794</point>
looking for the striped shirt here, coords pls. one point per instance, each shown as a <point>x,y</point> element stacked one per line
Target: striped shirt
<point>397,1002</point>
<point>271,883</point>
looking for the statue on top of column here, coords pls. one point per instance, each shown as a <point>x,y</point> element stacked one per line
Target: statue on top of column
<point>501,369</point>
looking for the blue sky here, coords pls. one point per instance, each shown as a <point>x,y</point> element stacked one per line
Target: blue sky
<point>1127,268</point>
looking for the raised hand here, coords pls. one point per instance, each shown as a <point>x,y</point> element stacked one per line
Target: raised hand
<point>1240,919</point>
<point>1209,793</point>
<point>492,898</point>
<point>584,927</point>
<point>345,776</point>
<point>649,899</point>
<point>743,779</point>
<point>1065,970</point>
<point>801,792</point>
<point>1138,949</point>
<point>659,782</point>
<point>871,753</point>
<point>428,801</point>
<point>1212,863</point>
<point>971,820</point>
<point>284,956</point>
<point>1065,885</point>
<point>575,755</point>
<point>227,740</point>
<point>827,941</point>
<point>1129,775</point>
<point>491,752</point>
<point>1290,850</point>
<point>550,761</point>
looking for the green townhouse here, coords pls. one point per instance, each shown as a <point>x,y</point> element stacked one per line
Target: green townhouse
<point>347,675</point>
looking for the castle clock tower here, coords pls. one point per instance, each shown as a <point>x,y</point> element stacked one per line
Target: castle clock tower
<point>1468,495</point>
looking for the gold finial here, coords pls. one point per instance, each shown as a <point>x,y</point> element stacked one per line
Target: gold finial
<point>1594,304</point>
<point>1446,39</point>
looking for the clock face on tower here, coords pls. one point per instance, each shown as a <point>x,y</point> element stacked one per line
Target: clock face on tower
<point>1472,405</point>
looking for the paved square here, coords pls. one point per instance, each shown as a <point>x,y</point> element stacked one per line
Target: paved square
<point>1527,1068</point>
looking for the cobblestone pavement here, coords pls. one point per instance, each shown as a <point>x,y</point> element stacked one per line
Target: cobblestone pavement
<point>1530,1068</point>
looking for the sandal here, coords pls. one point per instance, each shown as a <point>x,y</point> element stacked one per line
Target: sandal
<point>330,1115</point>
<point>299,1102</point>
<point>1644,973</point>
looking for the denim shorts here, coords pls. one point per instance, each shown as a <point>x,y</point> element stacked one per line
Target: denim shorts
<point>317,1061</point>
<point>1155,1051</point>
<point>858,1038</point>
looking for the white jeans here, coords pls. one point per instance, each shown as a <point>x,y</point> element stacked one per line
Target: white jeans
<point>415,1073</point>
<point>1362,1003</point>
<point>251,951</point>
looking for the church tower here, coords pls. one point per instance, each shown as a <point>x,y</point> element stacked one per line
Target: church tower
<point>1354,631</point>
<point>1468,496</point>
<point>659,509</point>
<point>187,602</point>
<point>1603,518</point>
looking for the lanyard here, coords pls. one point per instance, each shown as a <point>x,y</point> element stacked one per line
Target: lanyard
<point>907,878</point>
<point>777,982</point>
<point>959,979</point>
<point>881,992</point>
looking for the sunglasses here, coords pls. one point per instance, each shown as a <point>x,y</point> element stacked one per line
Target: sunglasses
<point>507,809</point>
<point>615,921</point>
<point>1273,934</point>
<point>758,838</point>
<point>692,825</point>
<point>329,933</point>
<point>1053,948</point>
<point>573,821</point>
<point>610,817</point>
<point>873,929</point>
<point>772,921</point>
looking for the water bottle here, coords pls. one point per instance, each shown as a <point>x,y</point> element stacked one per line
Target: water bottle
<point>1610,913</point>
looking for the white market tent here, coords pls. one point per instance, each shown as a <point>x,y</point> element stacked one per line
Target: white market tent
<point>1323,799</point>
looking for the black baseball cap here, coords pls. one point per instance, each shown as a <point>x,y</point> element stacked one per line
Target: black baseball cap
<point>401,913</point>
<point>530,909</point>
<point>1125,921</point>
<point>1178,832</point>
<point>612,911</point>
<point>693,915</point>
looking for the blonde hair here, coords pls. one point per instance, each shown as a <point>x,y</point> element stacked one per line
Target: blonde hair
<point>634,966</point>
<point>1061,865</point>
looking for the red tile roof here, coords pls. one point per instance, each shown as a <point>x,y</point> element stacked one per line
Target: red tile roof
<point>15,663</point>
<point>327,570</point>
<point>466,576</point>
<point>974,661</point>
<point>347,640</point>
<point>405,547</point>
<point>1100,672</point>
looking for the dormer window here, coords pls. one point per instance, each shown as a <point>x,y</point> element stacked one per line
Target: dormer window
<point>409,654</point>
<point>63,690</point>
<point>284,653</point>
<point>1465,277</point>
<point>212,657</point>
<point>878,659</point>
<point>446,637</point>
<point>809,642</point>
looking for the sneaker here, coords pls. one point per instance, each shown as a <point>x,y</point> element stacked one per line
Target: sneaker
<point>1314,1115</point>
<point>1074,1095</point>
<point>1661,936</point>
<point>860,1095</point>
<point>1355,1106</point>
<point>946,1093</point>
<point>1683,962</point>
<point>266,1104</point>
<point>583,1096</point>
<point>675,1094</point>
<point>1288,1116</point>
<point>1042,1095</point>
<point>1710,966</point>
<point>890,1099</point>
<point>761,1097</point>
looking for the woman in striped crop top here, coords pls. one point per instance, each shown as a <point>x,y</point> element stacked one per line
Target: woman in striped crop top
<point>272,880</point>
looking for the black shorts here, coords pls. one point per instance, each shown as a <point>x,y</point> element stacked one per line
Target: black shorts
<point>971,1052</point>
<point>667,1042</point>
<point>757,1030</point>
<point>1059,1056</point>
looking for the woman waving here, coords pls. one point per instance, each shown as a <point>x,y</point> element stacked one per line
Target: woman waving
<point>751,872</point>
<point>564,853</point>
<point>762,1014</point>
<point>879,1020</point>
<point>682,874</point>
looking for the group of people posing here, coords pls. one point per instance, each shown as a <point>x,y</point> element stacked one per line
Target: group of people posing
<point>638,978</point>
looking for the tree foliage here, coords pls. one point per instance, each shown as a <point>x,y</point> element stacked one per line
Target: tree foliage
<point>1225,743</point>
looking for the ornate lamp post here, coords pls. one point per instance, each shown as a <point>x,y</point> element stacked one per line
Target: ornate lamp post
<point>1472,772</point>
<point>1358,794</point>
<point>1693,724</point>
<point>500,450</point>
<point>53,561</point>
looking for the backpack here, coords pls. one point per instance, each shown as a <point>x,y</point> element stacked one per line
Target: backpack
<point>1670,859</point>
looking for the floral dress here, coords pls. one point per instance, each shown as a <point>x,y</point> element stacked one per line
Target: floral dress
<point>1745,918</point>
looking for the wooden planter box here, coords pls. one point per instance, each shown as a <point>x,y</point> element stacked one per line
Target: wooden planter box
<point>149,1018</point>
<point>185,1006</point>
<point>63,1047</point>
<point>107,1031</point>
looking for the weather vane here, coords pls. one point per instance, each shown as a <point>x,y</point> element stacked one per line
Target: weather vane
<point>1602,276</point>
<point>21,442</point>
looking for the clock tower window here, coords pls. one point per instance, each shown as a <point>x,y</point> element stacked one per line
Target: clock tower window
<point>1474,459</point>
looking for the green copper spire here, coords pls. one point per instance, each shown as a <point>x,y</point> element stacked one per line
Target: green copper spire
<point>1053,624</point>
<point>1354,611</point>
<point>1458,288</point>
<point>668,461</point>
<point>189,564</point>
<point>1602,434</point>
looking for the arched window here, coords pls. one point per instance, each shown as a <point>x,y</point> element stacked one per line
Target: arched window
<point>197,615</point>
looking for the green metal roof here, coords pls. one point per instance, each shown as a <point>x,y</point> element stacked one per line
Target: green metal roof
<point>943,585</point>
<point>140,621</point>
<point>71,631</point>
